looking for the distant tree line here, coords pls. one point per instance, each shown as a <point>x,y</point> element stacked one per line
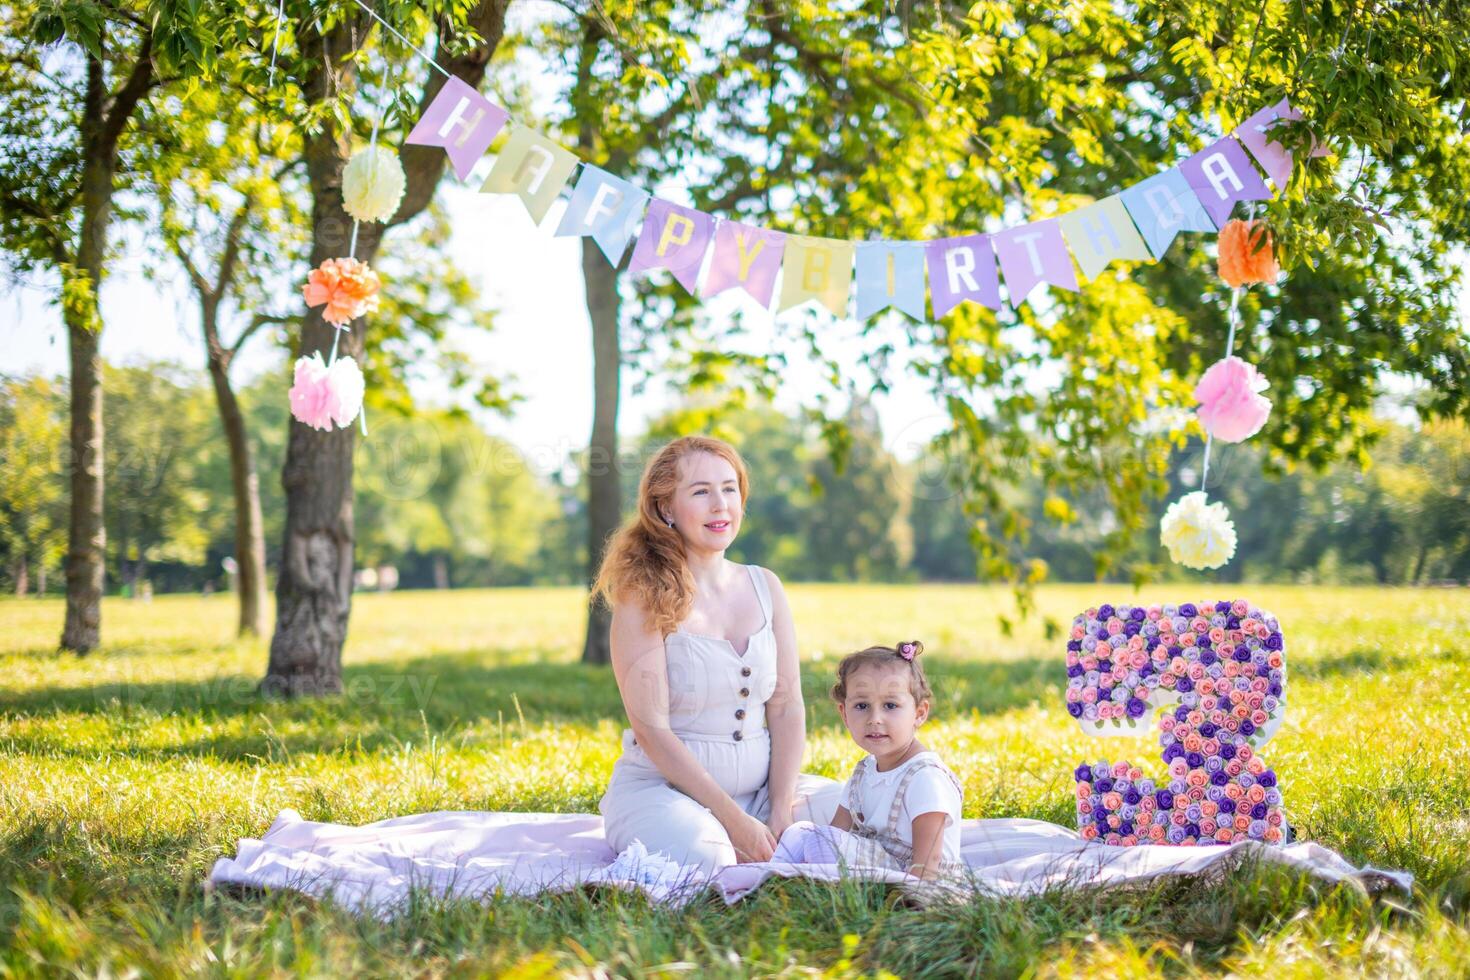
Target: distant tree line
<point>447,505</point>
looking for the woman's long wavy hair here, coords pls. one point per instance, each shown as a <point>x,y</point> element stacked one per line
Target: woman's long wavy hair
<point>644,562</point>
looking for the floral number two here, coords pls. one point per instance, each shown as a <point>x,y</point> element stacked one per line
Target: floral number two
<point>1211,678</point>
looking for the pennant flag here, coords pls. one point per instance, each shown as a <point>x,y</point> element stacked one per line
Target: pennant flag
<point>745,256</point>
<point>1100,233</point>
<point>1222,174</point>
<point>1033,254</point>
<point>1274,158</point>
<point>605,207</point>
<point>819,269</point>
<point>673,238</point>
<point>1162,206</point>
<point>462,121</point>
<point>962,269</point>
<point>890,274</point>
<point>533,166</point>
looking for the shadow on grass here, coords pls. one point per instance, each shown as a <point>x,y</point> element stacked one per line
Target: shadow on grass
<point>1369,660</point>
<point>384,704</point>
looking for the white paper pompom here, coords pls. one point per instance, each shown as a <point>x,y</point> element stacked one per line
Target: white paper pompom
<point>372,184</point>
<point>1198,534</point>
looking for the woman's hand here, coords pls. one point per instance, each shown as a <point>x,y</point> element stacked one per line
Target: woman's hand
<point>780,820</point>
<point>752,839</point>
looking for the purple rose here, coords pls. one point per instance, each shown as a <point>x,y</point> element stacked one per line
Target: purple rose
<point>1273,642</point>
<point>1104,785</point>
<point>1192,829</point>
<point>1222,606</point>
<point>1227,751</point>
<point>1267,779</point>
<point>1074,708</point>
<point>1076,670</point>
<point>1074,646</point>
<point>1164,799</point>
<point>1227,805</point>
<point>1132,796</point>
<point>1136,708</point>
<point>1195,760</point>
<point>1188,610</point>
<point>1246,728</point>
<point>1258,812</point>
<point>1105,611</point>
<point>1220,777</point>
<point>1083,773</point>
<point>1137,615</point>
<point>1176,835</point>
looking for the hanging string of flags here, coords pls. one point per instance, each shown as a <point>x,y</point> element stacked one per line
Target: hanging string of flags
<point>1137,224</point>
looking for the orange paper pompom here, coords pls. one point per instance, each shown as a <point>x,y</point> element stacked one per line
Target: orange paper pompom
<point>348,287</point>
<point>1246,255</point>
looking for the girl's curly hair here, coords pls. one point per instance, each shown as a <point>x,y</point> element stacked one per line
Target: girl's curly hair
<point>903,655</point>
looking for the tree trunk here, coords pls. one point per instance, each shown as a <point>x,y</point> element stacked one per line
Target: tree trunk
<point>441,572</point>
<point>314,587</point>
<point>101,127</point>
<point>86,534</point>
<point>41,578</point>
<point>22,577</point>
<point>249,523</point>
<point>604,486</point>
<point>1419,561</point>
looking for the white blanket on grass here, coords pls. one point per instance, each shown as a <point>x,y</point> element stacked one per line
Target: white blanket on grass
<point>377,867</point>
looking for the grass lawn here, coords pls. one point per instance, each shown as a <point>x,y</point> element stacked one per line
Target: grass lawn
<point>125,774</point>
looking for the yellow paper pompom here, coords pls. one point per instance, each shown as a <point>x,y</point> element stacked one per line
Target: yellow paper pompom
<point>372,184</point>
<point>1197,533</point>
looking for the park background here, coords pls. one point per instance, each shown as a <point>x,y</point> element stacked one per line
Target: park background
<point>891,507</point>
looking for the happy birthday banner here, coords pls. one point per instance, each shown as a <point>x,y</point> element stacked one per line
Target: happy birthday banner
<point>1137,224</point>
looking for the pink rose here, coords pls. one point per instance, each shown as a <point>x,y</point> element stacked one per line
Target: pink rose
<point>1120,769</point>
<point>1115,626</point>
<point>1113,801</point>
<point>1233,768</point>
<point>1239,607</point>
<point>1206,826</point>
<point>1256,794</point>
<point>1089,832</point>
<point>1272,834</point>
<point>1273,817</point>
<point>1245,753</point>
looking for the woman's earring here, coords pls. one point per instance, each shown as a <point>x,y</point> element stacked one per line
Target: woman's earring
<point>668,522</point>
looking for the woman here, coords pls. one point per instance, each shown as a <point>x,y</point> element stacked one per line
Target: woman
<point>704,652</point>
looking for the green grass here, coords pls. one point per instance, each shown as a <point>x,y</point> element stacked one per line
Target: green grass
<point>125,774</point>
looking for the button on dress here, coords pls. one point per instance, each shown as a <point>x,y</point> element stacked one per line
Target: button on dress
<point>717,708</point>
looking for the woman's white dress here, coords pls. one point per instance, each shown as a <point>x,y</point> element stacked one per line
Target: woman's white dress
<point>717,707</point>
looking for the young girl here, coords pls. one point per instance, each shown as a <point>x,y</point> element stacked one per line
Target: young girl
<point>901,807</point>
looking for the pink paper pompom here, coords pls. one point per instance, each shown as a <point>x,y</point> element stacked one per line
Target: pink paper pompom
<point>311,393</point>
<point>1231,407</point>
<point>322,395</point>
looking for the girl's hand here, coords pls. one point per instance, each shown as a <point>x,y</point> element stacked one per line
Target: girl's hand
<point>751,838</point>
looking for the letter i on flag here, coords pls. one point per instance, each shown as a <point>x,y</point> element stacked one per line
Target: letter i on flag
<point>1222,174</point>
<point>890,274</point>
<point>962,269</point>
<point>673,238</point>
<point>605,207</point>
<point>462,121</point>
<point>745,256</point>
<point>819,269</point>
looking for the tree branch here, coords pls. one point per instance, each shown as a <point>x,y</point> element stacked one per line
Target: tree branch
<point>256,322</point>
<point>140,79</point>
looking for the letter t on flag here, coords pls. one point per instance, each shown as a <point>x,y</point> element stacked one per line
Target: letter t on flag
<point>462,121</point>
<point>1033,254</point>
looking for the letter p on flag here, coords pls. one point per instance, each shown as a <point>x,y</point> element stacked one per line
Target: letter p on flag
<point>462,121</point>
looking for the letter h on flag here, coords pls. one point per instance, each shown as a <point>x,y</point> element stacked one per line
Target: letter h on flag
<point>462,121</point>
